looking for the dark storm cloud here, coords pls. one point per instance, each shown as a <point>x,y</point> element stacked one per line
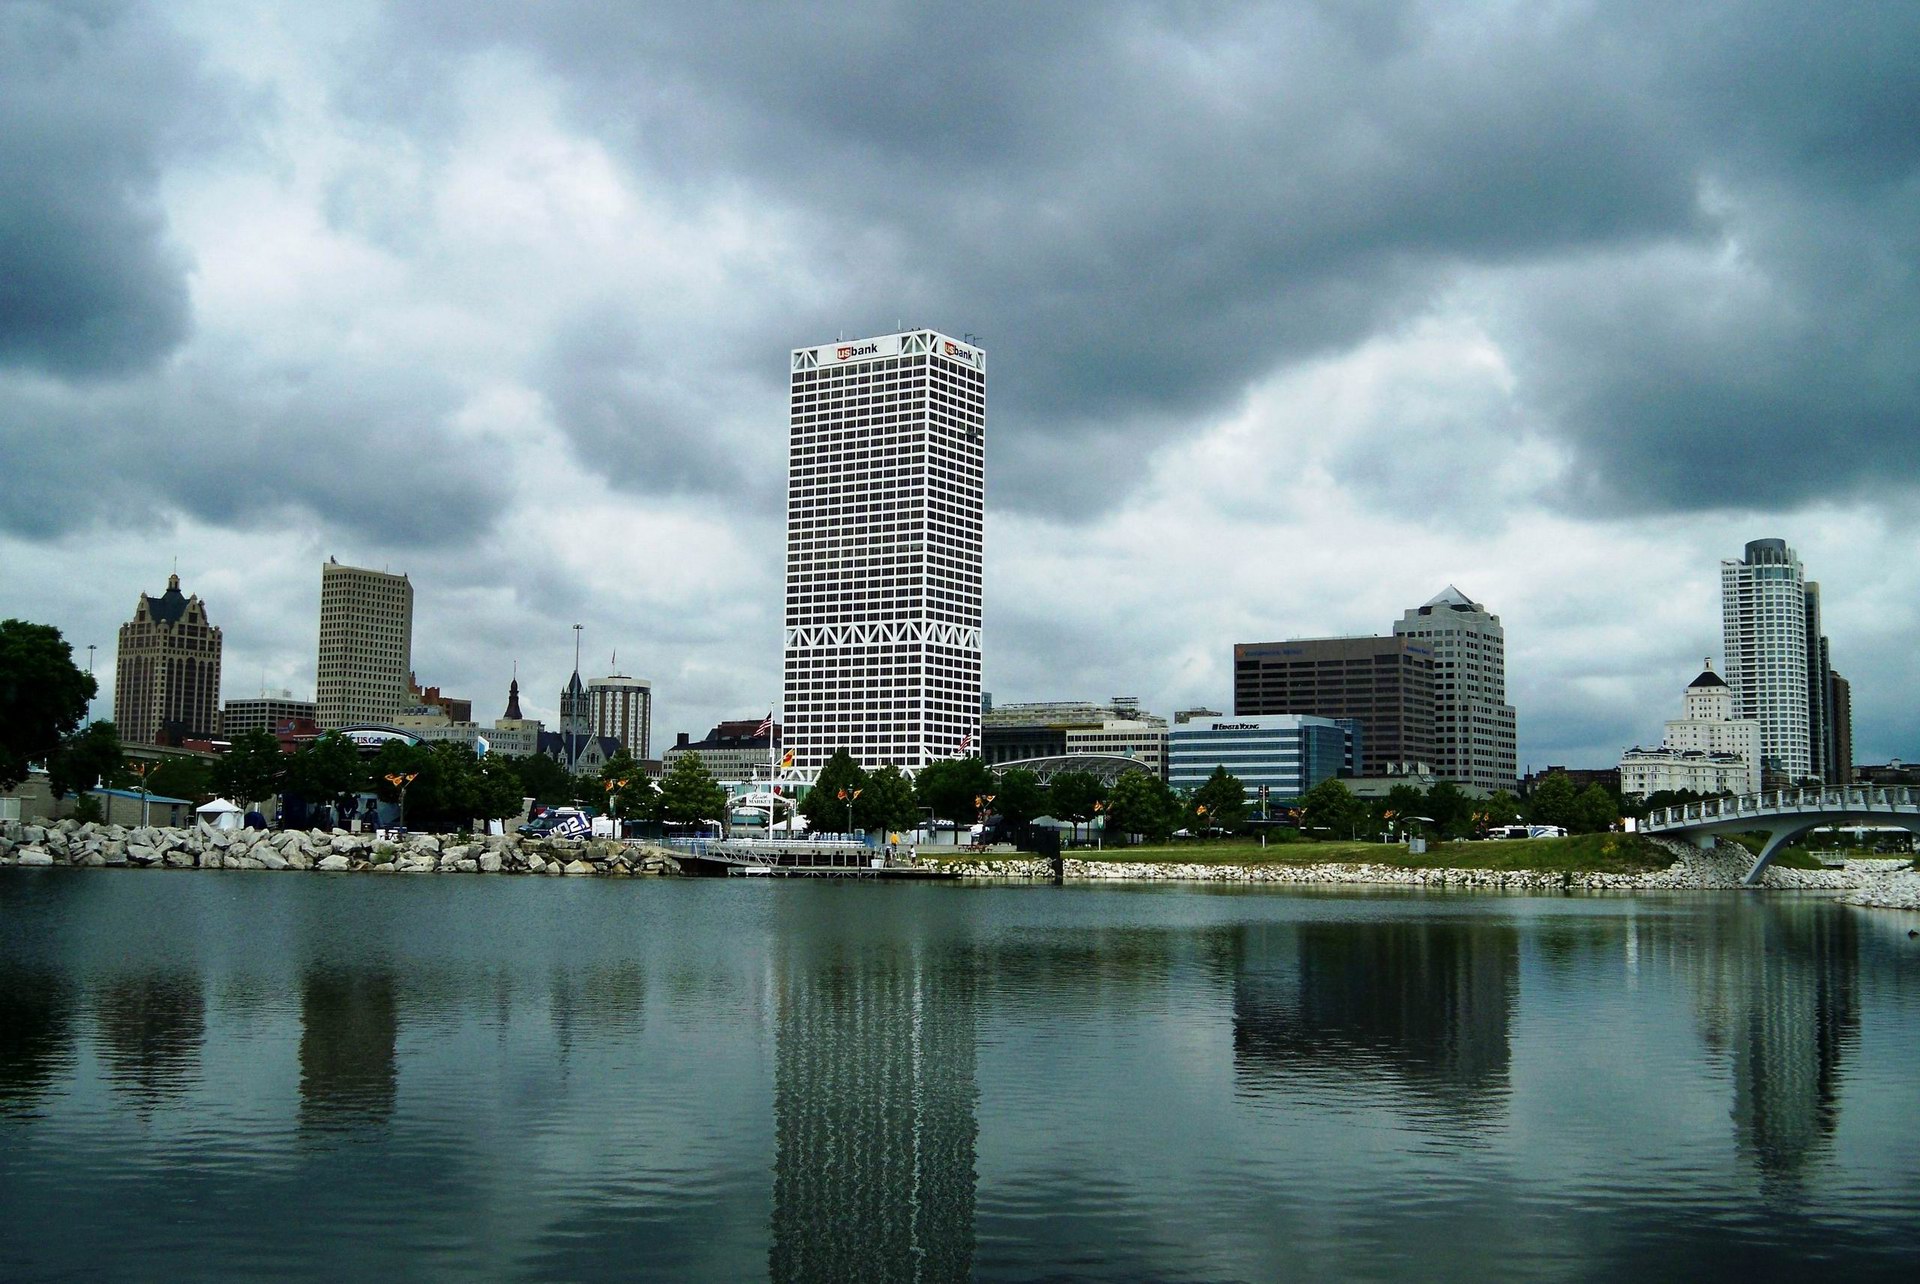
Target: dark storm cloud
<point>330,443</point>
<point>89,283</point>
<point>1144,207</point>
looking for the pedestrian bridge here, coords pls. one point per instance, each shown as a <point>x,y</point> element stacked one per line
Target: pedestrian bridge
<point>1786,814</point>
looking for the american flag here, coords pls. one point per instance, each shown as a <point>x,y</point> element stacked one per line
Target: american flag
<point>766,726</point>
<point>966,742</point>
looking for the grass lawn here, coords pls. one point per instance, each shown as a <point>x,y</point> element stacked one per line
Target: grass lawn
<point>1582,853</point>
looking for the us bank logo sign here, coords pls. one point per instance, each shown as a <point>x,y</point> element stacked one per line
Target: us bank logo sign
<point>846,352</point>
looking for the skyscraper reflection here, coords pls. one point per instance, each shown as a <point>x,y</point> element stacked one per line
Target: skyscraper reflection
<point>151,1028</point>
<point>1424,1004</point>
<point>349,1023</point>
<point>36,1037</point>
<point>874,1098</point>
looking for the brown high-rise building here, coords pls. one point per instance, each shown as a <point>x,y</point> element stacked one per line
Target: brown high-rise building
<point>167,678</point>
<point>1385,683</point>
<point>1840,720</point>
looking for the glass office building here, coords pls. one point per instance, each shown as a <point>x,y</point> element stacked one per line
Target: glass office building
<point>1289,753</point>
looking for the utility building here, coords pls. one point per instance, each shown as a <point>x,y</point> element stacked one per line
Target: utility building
<point>885,508</point>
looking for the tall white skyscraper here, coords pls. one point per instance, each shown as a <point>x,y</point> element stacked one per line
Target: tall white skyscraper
<point>1764,617</point>
<point>1473,725</point>
<point>622,707</point>
<point>366,645</point>
<point>885,505</point>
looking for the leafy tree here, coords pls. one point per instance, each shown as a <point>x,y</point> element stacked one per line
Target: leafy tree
<point>1077,796</point>
<point>1595,811</point>
<point>496,789</point>
<point>623,783</point>
<point>543,779</point>
<point>84,759</point>
<point>1220,802</point>
<point>43,696</point>
<point>1019,796</point>
<point>181,778</point>
<point>252,769</point>
<point>433,792</point>
<point>1553,801</point>
<point>887,801</point>
<point>1142,803</point>
<point>326,768</point>
<point>1502,808</point>
<point>689,794</point>
<point>950,787</point>
<point>826,804</point>
<point>1452,811</point>
<point>1331,806</point>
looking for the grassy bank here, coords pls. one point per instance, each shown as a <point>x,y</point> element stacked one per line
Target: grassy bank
<point>1583,853</point>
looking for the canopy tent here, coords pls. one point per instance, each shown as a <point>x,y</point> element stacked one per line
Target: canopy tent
<point>220,813</point>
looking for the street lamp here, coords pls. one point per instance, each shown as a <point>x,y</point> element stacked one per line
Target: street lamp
<point>141,769</point>
<point>573,720</point>
<point>613,800</point>
<point>400,780</point>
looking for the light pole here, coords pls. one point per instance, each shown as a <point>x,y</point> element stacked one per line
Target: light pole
<point>400,780</point>
<point>141,770</point>
<point>573,722</point>
<point>613,799</point>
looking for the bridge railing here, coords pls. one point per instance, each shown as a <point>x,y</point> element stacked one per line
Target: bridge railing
<point>1776,801</point>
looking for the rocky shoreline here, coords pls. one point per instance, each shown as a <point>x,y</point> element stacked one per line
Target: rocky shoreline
<point>69,842</point>
<point>1876,883</point>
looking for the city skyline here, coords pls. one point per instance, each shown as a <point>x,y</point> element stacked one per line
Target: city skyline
<point>1298,314</point>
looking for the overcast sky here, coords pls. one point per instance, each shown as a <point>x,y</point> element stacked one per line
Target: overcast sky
<point>1295,314</point>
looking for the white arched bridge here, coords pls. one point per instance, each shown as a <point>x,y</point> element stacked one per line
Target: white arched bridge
<point>1785,814</point>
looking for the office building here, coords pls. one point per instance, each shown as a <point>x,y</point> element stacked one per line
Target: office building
<point>1780,665</point>
<point>1288,754</point>
<point>1473,725</point>
<point>622,707</point>
<point>167,675</point>
<point>885,509</point>
<point>1840,714</point>
<point>1706,750</point>
<point>366,645</point>
<point>733,751</point>
<point>268,713</point>
<point>1385,684</point>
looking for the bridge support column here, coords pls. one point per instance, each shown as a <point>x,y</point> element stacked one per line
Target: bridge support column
<point>1776,839</point>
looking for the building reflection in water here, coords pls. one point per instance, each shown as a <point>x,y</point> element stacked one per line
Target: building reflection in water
<point>151,1029</point>
<point>874,1117</point>
<point>1424,1005</point>
<point>36,1037</point>
<point>349,1024</point>
<point>1779,995</point>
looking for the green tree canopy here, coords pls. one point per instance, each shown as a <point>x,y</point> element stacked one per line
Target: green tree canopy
<point>826,804</point>
<point>325,768</point>
<point>950,787</point>
<point>1077,796</point>
<point>887,802</point>
<point>689,794</point>
<point>1331,806</point>
<point>253,768</point>
<point>43,696</point>
<point>1220,802</point>
<point>181,777</point>
<point>1141,803</point>
<point>1595,810</point>
<point>1552,801</point>
<point>542,779</point>
<point>1019,796</point>
<point>84,759</point>
<point>624,786</point>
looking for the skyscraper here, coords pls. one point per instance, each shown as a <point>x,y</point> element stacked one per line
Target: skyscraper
<point>167,676</point>
<point>885,508</point>
<point>1385,684</point>
<point>1772,661</point>
<point>366,645</point>
<point>1473,725</point>
<point>622,707</point>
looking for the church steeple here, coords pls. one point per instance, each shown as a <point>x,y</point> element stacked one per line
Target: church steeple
<point>513,700</point>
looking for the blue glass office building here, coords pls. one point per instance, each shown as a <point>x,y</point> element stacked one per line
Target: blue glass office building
<point>1289,753</point>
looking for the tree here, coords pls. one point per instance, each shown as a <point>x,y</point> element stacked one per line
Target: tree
<point>1595,811</point>
<point>325,769</point>
<point>629,794</point>
<point>1451,810</point>
<point>951,787</point>
<point>43,696</point>
<point>1141,803</point>
<point>1018,796</point>
<point>542,779</point>
<point>181,778</point>
<point>689,794</point>
<point>826,804</point>
<point>887,801</point>
<point>1220,802</point>
<point>252,769</point>
<point>84,759</point>
<point>1077,796</point>
<point>1552,801</point>
<point>1331,806</point>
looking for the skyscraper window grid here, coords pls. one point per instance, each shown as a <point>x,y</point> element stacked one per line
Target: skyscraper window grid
<point>885,516</point>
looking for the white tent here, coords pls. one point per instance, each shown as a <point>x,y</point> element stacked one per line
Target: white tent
<point>220,813</point>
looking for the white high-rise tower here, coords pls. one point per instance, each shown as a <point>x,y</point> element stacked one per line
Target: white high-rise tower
<point>1763,609</point>
<point>885,506</point>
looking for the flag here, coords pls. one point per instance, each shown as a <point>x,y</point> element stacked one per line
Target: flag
<point>786,760</point>
<point>480,746</point>
<point>966,742</point>
<point>766,726</point>
<point>841,795</point>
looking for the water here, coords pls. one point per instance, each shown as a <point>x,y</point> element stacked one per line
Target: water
<point>219,1074</point>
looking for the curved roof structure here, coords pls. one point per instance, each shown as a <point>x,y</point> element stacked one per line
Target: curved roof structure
<point>1106,767</point>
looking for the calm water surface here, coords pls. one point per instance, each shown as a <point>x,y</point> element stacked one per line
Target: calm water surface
<point>220,1075</point>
